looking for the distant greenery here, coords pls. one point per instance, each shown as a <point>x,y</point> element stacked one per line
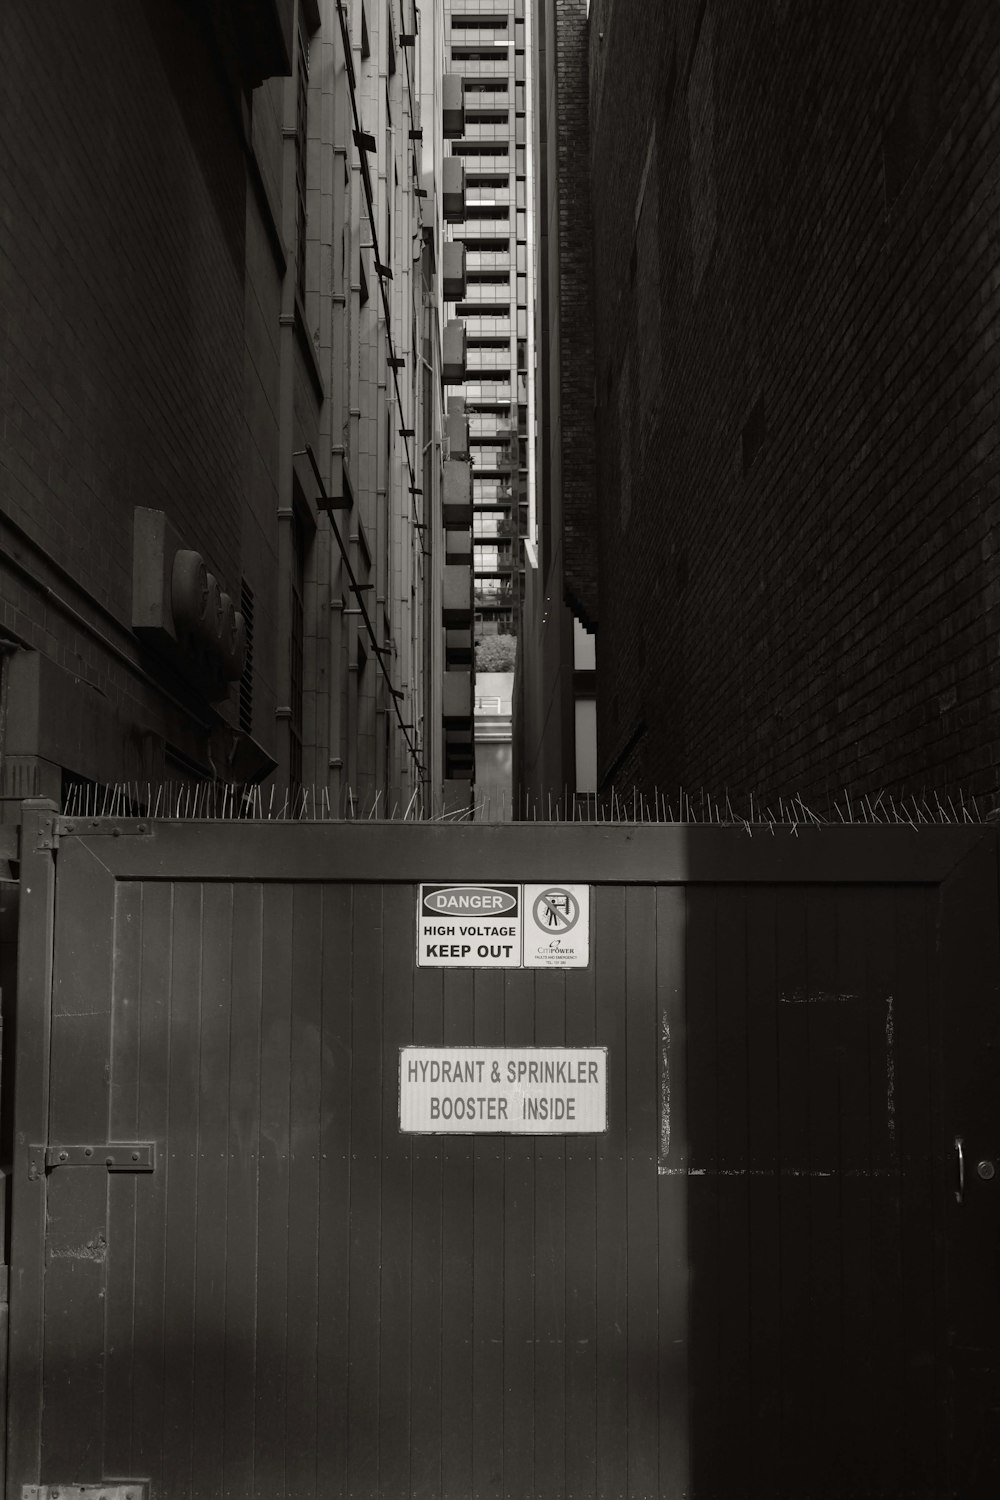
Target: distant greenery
<point>496,653</point>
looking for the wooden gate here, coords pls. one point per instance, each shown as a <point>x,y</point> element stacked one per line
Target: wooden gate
<point>774,1274</point>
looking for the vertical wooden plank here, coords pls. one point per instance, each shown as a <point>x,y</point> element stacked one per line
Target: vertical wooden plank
<point>674,1264</point>
<point>733,1415</point>
<point>642,1148</point>
<point>366,1191</point>
<point>608,935</point>
<point>581,1262</point>
<point>76,1242</point>
<point>74,1344</point>
<point>907,1019</point>
<point>428,1286</point>
<point>270,1454</point>
<point>550,1262</point>
<point>860,1280</point>
<point>487,1281</point>
<point>458,1247</point>
<point>828,1004</point>
<point>303,1192</point>
<point>763,1163</point>
<point>395,1322</point>
<point>125,1189</point>
<point>154,1053</point>
<point>794,1016</point>
<point>887,1247</point>
<point>335,1189</point>
<point>519,1264</point>
<point>212,1182</point>
<point>703,1188</point>
<point>181,1172</point>
<point>242,1200</point>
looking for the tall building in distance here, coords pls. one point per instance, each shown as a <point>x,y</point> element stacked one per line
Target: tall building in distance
<point>491,292</point>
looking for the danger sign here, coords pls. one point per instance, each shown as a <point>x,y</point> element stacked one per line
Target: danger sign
<point>469,926</point>
<point>482,926</point>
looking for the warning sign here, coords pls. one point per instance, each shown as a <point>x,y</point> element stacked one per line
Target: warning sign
<point>556,926</point>
<point>503,1090</point>
<point>469,926</point>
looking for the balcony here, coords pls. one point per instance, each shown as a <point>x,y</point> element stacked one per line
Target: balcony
<point>490,396</point>
<point>458,546</point>
<point>459,763</point>
<point>484,298</point>
<point>456,503</point>
<point>458,647</point>
<point>453,190</point>
<point>453,106</point>
<point>495,195</point>
<point>457,428</point>
<point>453,271</point>
<point>456,699</point>
<point>456,605</point>
<point>486,233</point>
<point>453,365</point>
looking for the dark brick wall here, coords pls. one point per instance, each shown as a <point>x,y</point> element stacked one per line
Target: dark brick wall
<point>122,187</point>
<point>797,220</point>
<point>566,323</point>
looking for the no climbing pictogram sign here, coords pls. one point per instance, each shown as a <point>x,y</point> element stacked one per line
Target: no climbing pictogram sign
<point>556,926</point>
<point>556,910</point>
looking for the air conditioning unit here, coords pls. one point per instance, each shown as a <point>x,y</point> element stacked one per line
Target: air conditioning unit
<point>181,610</point>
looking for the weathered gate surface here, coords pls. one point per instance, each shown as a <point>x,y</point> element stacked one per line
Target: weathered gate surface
<point>768,1277</point>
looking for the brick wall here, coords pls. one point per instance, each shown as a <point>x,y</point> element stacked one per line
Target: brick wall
<point>571,338</point>
<point>796,229</point>
<point>121,308</point>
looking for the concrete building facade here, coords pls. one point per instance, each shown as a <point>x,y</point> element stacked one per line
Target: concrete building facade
<point>221,455</point>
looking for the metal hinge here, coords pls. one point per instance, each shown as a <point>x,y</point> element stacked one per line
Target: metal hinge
<point>48,834</point>
<point>124,1489</point>
<point>114,1156</point>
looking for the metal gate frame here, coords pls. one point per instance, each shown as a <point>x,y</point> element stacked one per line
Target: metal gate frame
<point>661,857</point>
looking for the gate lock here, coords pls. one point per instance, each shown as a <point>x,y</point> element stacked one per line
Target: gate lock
<point>114,1156</point>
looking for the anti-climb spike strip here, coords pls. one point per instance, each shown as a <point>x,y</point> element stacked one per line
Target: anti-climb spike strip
<point>238,802</point>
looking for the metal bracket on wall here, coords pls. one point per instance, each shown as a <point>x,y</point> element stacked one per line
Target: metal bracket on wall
<point>115,1156</point>
<point>117,827</point>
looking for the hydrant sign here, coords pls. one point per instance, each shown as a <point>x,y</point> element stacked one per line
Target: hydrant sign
<point>503,926</point>
<point>503,1090</point>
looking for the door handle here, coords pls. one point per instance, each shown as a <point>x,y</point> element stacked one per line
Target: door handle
<point>960,1161</point>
